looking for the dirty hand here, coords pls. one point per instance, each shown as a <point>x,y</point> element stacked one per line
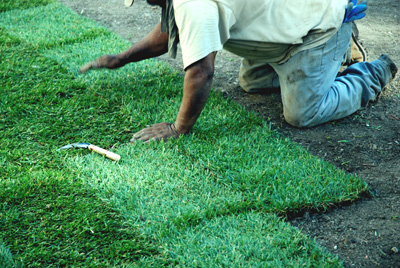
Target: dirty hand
<point>107,61</point>
<point>161,131</point>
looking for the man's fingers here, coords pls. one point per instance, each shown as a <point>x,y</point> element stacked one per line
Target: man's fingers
<point>143,135</point>
<point>88,66</point>
<point>161,131</point>
<point>106,61</point>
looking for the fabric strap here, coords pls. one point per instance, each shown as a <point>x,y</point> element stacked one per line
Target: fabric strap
<point>168,25</point>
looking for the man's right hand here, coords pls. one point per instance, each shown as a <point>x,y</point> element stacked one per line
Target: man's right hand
<point>107,61</point>
<point>153,45</point>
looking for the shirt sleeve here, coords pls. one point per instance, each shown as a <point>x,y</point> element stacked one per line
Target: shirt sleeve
<point>199,34</point>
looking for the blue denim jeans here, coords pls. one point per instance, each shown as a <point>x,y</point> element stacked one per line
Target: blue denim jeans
<point>312,91</point>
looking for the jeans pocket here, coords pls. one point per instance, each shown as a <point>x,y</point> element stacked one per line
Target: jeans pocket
<point>343,37</point>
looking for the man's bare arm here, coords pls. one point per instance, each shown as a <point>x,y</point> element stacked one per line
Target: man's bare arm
<point>196,88</point>
<point>153,45</point>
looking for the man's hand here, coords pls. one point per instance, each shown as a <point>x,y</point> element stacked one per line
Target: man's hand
<point>197,86</point>
<point>161,131</point>
<point>107,61</point>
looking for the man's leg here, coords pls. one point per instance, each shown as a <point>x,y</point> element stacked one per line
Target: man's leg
<point>312,93</point>
<point>256,77</point>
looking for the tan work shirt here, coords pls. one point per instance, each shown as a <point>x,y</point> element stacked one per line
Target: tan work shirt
<point>266,30</point>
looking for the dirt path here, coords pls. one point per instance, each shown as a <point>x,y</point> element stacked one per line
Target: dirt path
<point>363,234</point>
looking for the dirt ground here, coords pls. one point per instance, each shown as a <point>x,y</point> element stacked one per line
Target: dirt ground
<point>365,233</point>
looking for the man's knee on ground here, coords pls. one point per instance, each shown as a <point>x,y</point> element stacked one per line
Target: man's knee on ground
<point>298,119</point>
<point>256,76</point>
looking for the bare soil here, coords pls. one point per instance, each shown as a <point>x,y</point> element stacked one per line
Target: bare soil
<point>365,233</point>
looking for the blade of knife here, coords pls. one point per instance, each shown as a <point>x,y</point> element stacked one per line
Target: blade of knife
<point>75,145</point>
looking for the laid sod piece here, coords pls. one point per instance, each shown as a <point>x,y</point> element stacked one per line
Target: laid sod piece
<point>274,173</point>
<point>47,26</point>
<point>43,107</point>
<point>50,220</point>
<point>246,240</point>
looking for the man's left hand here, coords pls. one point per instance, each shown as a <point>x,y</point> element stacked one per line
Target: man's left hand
<point>161,131</point>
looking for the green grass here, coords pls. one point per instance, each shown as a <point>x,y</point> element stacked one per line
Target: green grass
<point>40,26</point>
<point>55,109</point>
<point>212,198</point>
<point>55,221</point>
<point>246,240</point>
<point>6,5</point>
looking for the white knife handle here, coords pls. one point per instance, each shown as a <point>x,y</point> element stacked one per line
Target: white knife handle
<point>128,3</point>
<point>106,153</point>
